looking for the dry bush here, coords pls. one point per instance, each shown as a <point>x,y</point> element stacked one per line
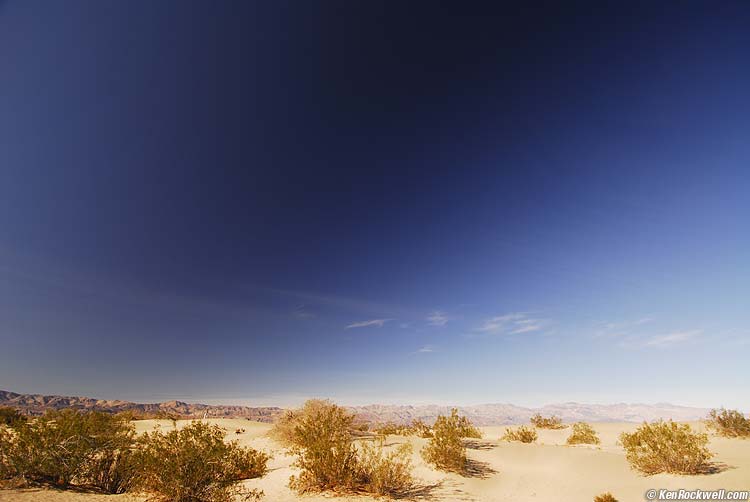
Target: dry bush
<point>729,423</point>
<point>421,429</point>
<point>605,497</point>
<point>382,473</point>
<point>321,435</point>
<point>417,428</point>
<point>391,429</point>
<point>70,447</point>
<point>522,434</point>
<point>195,464</point>
<point>445,450</point>
<point>583,433</point>
<point>666,447</point>
<point>284,427</point>
<point>11,416</point>
<point>552,422</point>
<point>466,428</point>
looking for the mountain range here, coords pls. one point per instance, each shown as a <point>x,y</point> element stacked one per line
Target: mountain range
<point>483,414</point>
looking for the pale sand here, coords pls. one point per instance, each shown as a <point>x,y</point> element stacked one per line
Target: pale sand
<point>545,471</point>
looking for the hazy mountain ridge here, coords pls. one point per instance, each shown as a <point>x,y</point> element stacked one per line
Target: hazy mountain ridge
<point>35,404</point>
<point>483,414</point>
<point>502,414</point>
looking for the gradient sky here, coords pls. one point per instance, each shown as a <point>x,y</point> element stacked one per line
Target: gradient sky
<point>258,202</point>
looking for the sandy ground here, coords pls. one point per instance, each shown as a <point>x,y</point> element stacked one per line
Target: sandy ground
<point>546,471</point>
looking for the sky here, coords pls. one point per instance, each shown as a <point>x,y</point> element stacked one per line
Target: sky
<point>376,202</point>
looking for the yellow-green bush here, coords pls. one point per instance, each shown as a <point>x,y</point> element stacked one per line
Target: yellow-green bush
<point>605,497</point>
<point>70,447</point>
<point>445,450</point>
<point>552,422</point>
<point>666,447</point>
<point>729,423</point>
<point>320,434</point>
<point>11,416</point>
<point>416,428</point>
<point>522,433</point>
<point>327,458</point>
<point>195,464</point>
<point>384,473</point>
<point>583,433</point>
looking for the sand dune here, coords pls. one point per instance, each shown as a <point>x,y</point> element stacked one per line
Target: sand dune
<point>502,472</point>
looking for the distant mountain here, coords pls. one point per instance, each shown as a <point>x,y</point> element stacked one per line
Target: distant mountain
<point>36,404</point>
<point>504,414</point>
<point>483,414</point>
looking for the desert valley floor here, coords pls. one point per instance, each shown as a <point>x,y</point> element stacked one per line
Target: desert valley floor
<point>546,471</point>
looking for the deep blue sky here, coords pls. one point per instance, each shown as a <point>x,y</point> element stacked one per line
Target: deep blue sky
<point>258,202</point>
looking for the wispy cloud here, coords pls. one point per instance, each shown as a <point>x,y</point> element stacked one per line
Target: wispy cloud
<point>671,339</point>
<point>302,312</point>
<point>513,323</point>
<point>426,349</point>
<point>437,318</point>
<point>621,329</point>
<point>366,324</point>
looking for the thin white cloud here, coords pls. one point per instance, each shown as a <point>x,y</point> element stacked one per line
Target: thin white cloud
<point>372,322</point>
<point>426,349</point>
<point>526,328</point>
<point>500,322</point>
<point>671,339</point>
<point>513,324</point>
<point>437,318</point>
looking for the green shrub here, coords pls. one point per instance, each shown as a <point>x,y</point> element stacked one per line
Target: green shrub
<point>11,416</point>
<point>69,447</point>
<point>583,433</point>
<point>729,423</point>
<point>605,497</point>
<point>321,435</point>
<point>384,473</point>
<point>417,428</point>
<point>195,464</point>
<point>522,434</point>
<point>421,429</point>
<point>552,422</point>
<point>327,458</point>
<point>445,450</point>
<point>666,447</point>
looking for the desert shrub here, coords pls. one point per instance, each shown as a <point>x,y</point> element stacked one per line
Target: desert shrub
<point>421,429</point>
<point>466,428</point>
<point>552,422</point>
<point>445,450</point>
<point>384,473</point>
<point>283,427</point>
<point>11,416</point>
<point>70,447</point>
<point>195,464</point>
<point>583,433</point>
<point>418,428</point>
<point>239,431</point>
<point>522,434</point>
<point>391,429</point>
<point>321,435</point>
<point>666,447</point>
<point>327,458</point>
<point>605,497</point>
<point>729,423</point>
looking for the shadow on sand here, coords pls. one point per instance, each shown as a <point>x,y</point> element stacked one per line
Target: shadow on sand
<point>478,469</point>
<point>479,445</point>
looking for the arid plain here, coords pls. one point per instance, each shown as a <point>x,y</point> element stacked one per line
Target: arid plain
<point>548,470</point>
